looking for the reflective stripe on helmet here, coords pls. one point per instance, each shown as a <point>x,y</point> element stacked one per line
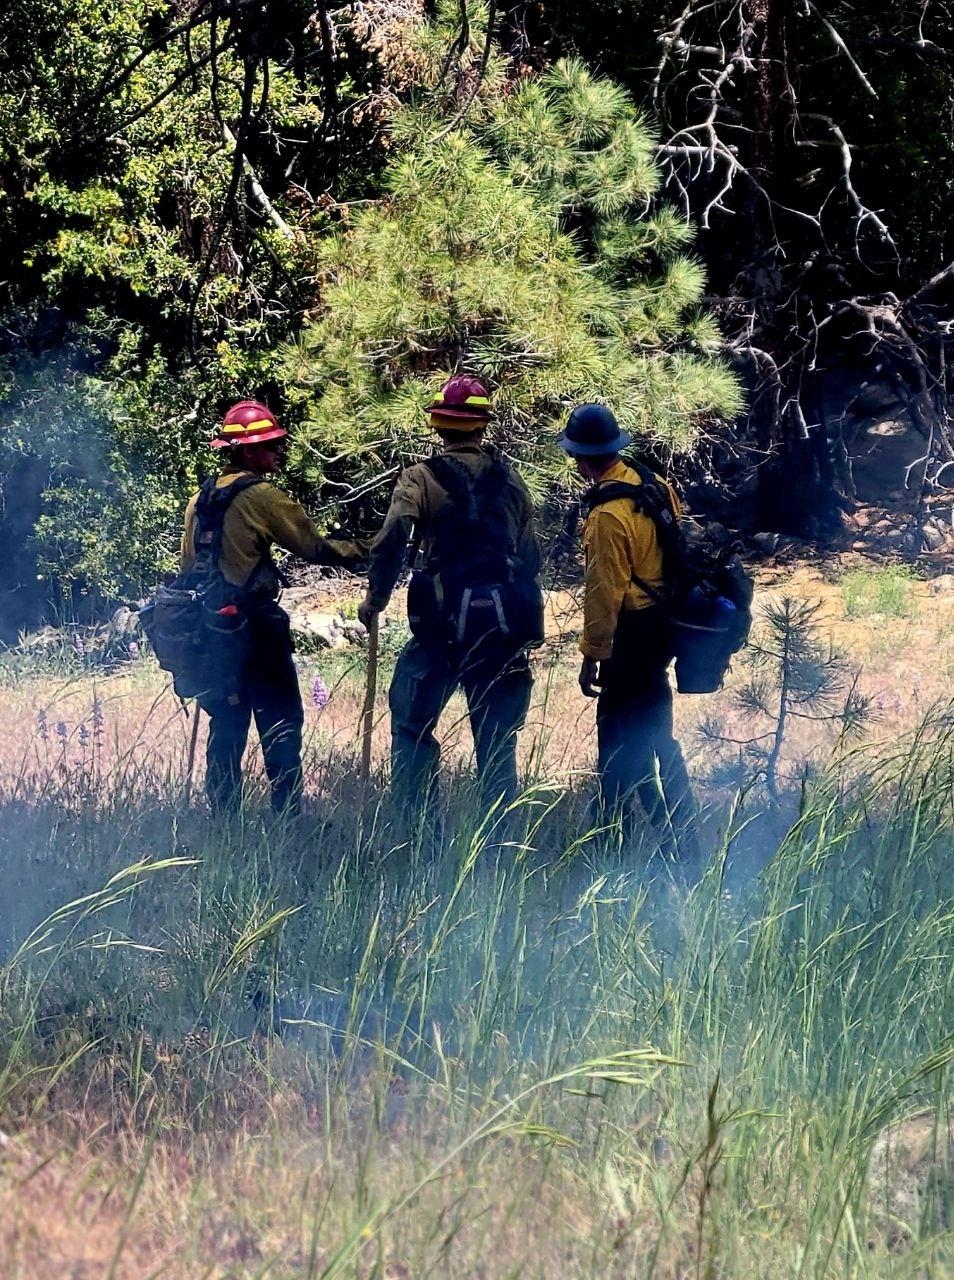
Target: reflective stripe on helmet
<point>478,400</point>
<point>244,439</point>
<point>240,428</point>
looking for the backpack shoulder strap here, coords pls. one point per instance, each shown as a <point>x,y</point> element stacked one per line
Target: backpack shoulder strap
<point>457,482</point>
<point>652,499</point>
<point>213,502</point>
<point>646,474</point>
<point>214,497</point>
<point>600,494</point>
<point>656,491</point>
<point>472,497</point>
<point>474,516</point>
<point>495,478</point>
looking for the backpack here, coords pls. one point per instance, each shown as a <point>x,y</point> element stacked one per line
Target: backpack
<point>198,625</point>
<point>706,597</point>
<point>471,592</point>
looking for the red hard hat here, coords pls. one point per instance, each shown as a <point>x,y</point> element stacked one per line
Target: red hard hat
<point>462,397</point>
<point>248,422</point>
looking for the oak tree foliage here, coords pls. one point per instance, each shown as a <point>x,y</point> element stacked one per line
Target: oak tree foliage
<point>157,226</point>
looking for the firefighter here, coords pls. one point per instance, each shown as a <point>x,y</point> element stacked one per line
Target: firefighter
<point>474,603</point>
<point>626,642</point>
<point>259,517</point>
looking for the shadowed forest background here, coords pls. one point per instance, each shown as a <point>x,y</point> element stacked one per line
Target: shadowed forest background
<point>492,1045</point>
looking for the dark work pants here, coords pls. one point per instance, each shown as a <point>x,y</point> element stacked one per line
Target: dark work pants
<point>638,754</point>
<point>497,687</point>
<point>271,694</point>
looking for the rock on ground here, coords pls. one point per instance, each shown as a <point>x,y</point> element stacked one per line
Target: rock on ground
<point>911,1176</point>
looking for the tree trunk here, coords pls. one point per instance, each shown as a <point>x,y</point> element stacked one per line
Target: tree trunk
<point>795,479</point>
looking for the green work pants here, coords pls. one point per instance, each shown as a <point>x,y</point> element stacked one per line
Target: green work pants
<point>497,686</point>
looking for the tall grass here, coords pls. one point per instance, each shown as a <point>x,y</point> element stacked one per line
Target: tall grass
<point>493,1046</point>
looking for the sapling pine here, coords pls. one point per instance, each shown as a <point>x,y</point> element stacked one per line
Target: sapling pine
<point>792,675</point>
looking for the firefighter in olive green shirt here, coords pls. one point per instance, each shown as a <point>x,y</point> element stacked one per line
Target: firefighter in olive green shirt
<point>474,603</point>
<point>258,518</point>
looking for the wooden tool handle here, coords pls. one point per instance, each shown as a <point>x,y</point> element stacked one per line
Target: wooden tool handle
<point>370,693</point>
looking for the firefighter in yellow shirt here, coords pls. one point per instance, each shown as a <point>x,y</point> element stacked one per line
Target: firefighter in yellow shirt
<point>257,517</point>
<point>626,643</point>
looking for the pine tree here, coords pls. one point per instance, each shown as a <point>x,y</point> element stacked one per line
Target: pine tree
<point>792,677</point>
<point>520,243</point>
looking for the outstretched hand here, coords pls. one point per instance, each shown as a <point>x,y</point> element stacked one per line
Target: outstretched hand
<point>590,678</point>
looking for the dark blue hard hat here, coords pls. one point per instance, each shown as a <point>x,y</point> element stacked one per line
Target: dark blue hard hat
<point>592,430</point>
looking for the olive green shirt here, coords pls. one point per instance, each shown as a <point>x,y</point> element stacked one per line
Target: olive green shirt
<point>417,499</point>
<point>258,519</point>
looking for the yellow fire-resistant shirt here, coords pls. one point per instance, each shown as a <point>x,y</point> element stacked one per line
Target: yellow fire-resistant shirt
<point>258,519</point>
<point>620,544</point>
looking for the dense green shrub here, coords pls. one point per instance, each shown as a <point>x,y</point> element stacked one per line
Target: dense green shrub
<point>137,299</point>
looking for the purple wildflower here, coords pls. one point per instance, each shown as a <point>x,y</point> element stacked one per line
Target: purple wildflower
<point>42,724</point>
<point>319,693</point>
<point>97,719</point>
<point>880,701</point>
<point>134,648</point>
<point>61,731</point>
<point>84,735</point>
<point>78,646</point>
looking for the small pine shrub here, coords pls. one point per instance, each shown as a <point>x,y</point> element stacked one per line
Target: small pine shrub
<point>793,676</point>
